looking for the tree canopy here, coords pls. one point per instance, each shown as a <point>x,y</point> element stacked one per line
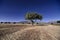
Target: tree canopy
<point>33,16</point>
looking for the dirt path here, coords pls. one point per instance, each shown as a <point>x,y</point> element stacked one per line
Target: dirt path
<point>53,31</point>
<point>35,33</point>
<point>46,35</point>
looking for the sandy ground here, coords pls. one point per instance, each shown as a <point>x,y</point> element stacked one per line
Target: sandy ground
<point>49,32</point>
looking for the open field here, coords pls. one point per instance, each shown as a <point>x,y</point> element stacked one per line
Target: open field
<point>29,32</point>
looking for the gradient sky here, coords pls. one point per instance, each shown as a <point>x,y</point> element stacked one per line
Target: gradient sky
<point>14,10</point>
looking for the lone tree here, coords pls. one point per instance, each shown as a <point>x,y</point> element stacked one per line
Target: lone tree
<point>33,16</point>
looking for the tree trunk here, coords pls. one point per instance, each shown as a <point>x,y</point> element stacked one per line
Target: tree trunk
<point>32,22</point>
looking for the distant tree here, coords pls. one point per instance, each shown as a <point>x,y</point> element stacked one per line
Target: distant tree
<point>33,16</point>
<point>9,22</point>
<point>5,22</point>
<point>1,22</point>
<point>58,21</point>
<point>52,23</point>
<point>14,22</point>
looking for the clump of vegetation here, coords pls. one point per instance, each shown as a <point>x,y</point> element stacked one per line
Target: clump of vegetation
<point>58,21</point>
<point>51,23</point>
<point>33,16</point>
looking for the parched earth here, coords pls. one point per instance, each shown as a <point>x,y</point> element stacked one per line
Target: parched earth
<point>49,32</point>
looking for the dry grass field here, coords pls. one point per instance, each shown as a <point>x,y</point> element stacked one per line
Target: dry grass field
<point>29,32</point>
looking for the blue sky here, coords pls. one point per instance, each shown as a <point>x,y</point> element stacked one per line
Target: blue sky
<point>14,10</point>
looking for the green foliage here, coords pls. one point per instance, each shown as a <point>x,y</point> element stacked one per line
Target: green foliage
<point>33,16</point>
<point>37,16</point>
<point>29,16</point>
